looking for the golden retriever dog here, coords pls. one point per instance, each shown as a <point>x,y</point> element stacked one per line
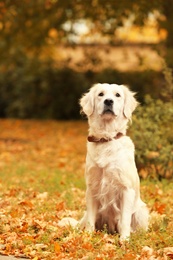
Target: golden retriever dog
<point>113,187</point>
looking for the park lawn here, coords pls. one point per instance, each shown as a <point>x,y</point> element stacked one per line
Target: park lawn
<point>42,180</point>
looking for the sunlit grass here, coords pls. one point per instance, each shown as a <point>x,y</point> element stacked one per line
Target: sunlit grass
<point>44,183</point>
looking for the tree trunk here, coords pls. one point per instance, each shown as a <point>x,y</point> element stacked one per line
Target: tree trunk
<point>168,12</point>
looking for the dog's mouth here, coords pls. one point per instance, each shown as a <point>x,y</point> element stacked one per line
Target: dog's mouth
<point>108,111</point>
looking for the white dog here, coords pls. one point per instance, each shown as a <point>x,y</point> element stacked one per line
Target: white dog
<point>113,188</point>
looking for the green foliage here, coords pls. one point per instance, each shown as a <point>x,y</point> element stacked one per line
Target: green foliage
<point>35,89</point>
<point>152,133</point>
<point>32,88</point>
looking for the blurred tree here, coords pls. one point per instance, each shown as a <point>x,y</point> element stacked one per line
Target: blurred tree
<point>167,9</point>
<point>29,29</point>
<point>28,26</point>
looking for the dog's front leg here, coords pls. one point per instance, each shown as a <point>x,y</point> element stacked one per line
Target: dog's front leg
<point>92,208</point>
<point>127,205</point>
<point>89,219</point>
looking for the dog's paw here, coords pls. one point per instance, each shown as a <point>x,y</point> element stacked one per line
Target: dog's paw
<point>123,241</point>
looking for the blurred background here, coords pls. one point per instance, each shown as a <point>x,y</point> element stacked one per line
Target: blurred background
<point>52,51</point>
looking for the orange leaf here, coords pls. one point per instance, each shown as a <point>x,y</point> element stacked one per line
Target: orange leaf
<point>56,247</point>
<point>26,203</point>
<point>14,213</point>
<point>60,206</point>
<point>24,227</point>
<point>28,238</point>
<point>87,246</point>
<point>160,208</point>
<point>129,256</point>
<point>61,164</point>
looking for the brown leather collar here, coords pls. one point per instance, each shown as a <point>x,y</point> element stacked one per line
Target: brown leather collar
<point>103,140</point>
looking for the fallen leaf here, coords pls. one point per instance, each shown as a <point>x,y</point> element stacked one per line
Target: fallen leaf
<point>65,222</point>
<point>42,196</point>
<point>160,208</point>
<point>26,203</point>
<point>169,252</point>
<point>14,213</point>
<point>40,246</point>
<point>87,246</point>
<point>56,247</point>
<point>35,258</point>
<point>147,251</point>
<point>60,206</point>
<point>24,227</point>
<point>129,256</point>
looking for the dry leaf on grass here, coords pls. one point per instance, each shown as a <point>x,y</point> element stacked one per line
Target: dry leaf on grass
<point>38,198</point>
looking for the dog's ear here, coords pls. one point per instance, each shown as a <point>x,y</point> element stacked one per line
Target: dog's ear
<point>130,103</point>
<point>87,103</point>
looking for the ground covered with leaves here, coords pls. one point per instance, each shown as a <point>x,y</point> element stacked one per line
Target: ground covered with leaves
<point>42,181</point>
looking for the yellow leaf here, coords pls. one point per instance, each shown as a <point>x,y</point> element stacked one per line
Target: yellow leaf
<point>35,258</point>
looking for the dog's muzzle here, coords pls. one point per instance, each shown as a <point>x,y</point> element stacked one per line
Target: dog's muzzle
<point>108,106</point>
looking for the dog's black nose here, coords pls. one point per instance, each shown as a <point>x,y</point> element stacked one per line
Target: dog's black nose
<point>108,102</point>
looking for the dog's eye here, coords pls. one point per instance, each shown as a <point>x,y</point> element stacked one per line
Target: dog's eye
<point>101,94</point>
<point>117,95</point>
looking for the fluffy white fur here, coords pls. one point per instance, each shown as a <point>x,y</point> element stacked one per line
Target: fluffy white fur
<point>113,188</point>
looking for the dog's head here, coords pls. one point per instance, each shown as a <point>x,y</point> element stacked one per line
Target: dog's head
<point>108,101</point>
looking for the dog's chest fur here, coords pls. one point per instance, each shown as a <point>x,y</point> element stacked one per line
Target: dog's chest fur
<point>105,187</point>
<point>105,176</point>
<point>110,153</point>
<point>107,192</point>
